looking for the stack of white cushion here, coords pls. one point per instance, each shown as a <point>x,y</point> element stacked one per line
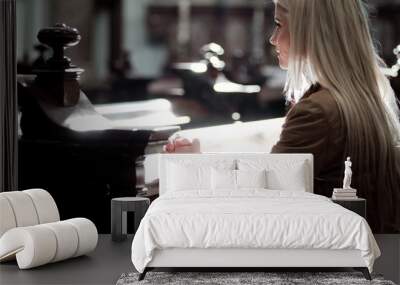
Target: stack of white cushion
<point>214,173</point>
<point>31,230</point>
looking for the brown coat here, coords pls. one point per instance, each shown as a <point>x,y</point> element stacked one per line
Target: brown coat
<point>313,126</point>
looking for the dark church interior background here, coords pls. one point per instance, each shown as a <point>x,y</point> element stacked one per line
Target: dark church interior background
<point>182,64</point>
<point>129,47</point>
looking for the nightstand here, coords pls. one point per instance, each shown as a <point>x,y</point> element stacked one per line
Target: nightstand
<point>358,206</point>
<point>119,209</point>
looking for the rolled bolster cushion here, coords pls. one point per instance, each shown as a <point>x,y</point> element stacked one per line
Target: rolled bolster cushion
<point>7,218</point>
<point>87,235</point>
<point>26,208</point>
<point>23,208</point>
<point>37,245</point>
<point>33,246</point>
<point>45,205</point>
<point>67,240</point>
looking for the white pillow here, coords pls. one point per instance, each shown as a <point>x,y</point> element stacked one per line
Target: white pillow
<point>282,174</point>
<point>183,177</point>
<point>292,179</point>
<point>251,178</point>
<point>227,179</point>
<point>223,179</point>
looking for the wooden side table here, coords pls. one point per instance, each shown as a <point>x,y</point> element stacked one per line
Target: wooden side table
<point>358,206</point>
<point>119,208</point>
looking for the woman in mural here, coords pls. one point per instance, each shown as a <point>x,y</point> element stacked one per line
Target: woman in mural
<point>343,105</point>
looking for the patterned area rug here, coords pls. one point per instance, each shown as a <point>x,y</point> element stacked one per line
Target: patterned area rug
<point>243,278</point>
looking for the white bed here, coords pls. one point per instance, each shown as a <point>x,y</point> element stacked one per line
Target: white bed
<point>247,210</point>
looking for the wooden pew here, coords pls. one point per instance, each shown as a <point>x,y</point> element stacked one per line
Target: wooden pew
<point>84,155</point>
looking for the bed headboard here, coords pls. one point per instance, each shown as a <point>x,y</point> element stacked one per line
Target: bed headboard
<point>287,166</point>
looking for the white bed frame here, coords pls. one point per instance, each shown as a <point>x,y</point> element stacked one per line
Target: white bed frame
<point>251,258</point>
<point>242,259</point>
<point>234,257</point>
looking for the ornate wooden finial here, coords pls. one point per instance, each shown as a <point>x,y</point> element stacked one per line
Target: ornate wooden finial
<point>58,78</point>
<point>59,37</point>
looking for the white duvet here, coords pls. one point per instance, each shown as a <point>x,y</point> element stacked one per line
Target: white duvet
<point>250,219</point>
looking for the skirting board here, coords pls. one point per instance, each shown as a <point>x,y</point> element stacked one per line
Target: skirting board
<point>177,257</point>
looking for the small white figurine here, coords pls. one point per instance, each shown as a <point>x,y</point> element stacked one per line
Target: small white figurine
<point>347,174</point>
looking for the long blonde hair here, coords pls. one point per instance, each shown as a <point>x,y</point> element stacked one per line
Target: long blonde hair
<point>330,43</point>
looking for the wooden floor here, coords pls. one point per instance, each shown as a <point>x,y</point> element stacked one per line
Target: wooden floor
<point>110,259</point>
